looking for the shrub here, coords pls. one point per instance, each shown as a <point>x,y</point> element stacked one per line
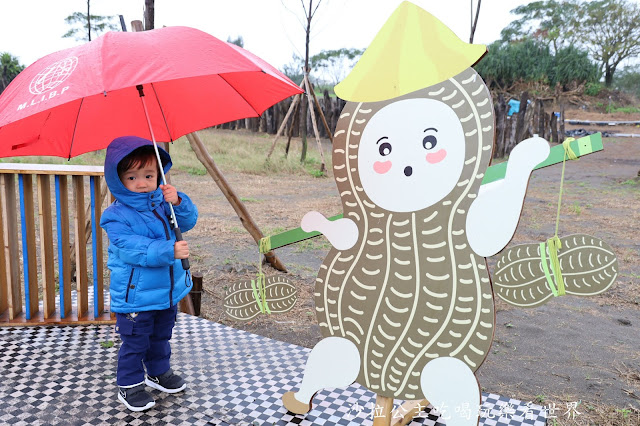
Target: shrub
<point>593,89</point>
<point>530,60</point>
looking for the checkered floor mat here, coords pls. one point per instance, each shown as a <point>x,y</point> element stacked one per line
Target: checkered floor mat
<point>66,375</point>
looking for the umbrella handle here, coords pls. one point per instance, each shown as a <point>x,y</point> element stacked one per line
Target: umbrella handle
<point>185,262</point>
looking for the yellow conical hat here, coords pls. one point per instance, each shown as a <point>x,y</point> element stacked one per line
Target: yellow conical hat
<point>413,50</point>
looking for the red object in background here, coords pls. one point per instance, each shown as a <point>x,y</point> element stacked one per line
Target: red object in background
<point>79,99</point>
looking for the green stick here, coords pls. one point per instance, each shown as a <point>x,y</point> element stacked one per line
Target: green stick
<point>582,146</point>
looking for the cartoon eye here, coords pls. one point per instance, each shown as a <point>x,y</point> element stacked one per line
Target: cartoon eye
<point>385,149</point>
<point>429,142</point>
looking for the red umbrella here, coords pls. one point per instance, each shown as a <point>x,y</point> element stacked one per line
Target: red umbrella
<point>79,99</point>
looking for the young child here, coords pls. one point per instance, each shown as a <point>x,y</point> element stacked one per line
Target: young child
<point>147,278</point>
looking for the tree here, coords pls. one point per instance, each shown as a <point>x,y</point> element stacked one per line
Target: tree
<point>531,60</point>
<point>474,21</point>
<point>9,68</point>
<point>238,41</point>
<point>83,24</point>
<point>293,69</point>
<point>309,13</point>
<point>611,31</point>
<point>552,22</point>
<point>334,65</point>
<point>608,29</point>
<point>628,80</point>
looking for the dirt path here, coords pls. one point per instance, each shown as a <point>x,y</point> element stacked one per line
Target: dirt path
<point>572,349</point>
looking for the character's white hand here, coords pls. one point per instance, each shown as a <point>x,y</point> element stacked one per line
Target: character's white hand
<point>525,156</point>
<point>493,216</point>
<point>341,233</point>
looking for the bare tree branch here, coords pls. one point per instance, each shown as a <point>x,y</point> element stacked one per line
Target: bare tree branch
<point>475,21</point>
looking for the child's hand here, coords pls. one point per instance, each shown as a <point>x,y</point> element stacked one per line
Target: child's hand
<point>170,194</point>
<point>181,250</point>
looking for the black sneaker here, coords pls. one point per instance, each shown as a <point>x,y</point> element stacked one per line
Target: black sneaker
<point>136,398</point>
<point>167,382</point>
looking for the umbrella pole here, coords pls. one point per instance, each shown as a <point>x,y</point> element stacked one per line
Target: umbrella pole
<point>185,262</point>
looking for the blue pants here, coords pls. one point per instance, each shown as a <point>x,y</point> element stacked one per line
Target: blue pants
<point>145,339</point>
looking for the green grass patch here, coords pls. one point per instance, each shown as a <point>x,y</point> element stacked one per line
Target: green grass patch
<point>273,231</point>
<point>246,152</point>
<point>311,244</point>
<point>95,158</point>
<point>193,170</point>
<point>627,110</point>
<point>575,208</point>
<point>631,182</point>
<point>238,151</point>
<point>249,200</point>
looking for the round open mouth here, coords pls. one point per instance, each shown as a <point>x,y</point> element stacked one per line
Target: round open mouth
<point>408,171</point>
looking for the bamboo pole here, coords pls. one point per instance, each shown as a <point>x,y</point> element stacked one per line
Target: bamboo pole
<point>295,100</point>
<point>313,122</point>
<point>291,128</point>
<point>324,120</point>
<point>244,216</point>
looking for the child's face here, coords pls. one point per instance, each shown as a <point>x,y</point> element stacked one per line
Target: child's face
<point>141,178</point>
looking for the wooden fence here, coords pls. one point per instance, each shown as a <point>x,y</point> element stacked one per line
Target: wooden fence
<point>531,119</point>
<point>272,118</point>
<point>36,259</point>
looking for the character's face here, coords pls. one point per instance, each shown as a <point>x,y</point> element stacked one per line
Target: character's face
<point>411,154</point>
<point>141,178</point>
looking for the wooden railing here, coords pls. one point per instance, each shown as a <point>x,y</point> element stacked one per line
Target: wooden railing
<point>35,268</point>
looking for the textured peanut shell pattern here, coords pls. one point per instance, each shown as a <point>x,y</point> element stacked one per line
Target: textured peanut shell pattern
<point>240,302</point>
<point>589,266</point>
<point>411,289</point>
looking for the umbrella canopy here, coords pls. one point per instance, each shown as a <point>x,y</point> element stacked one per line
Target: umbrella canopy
<point>77,100</point>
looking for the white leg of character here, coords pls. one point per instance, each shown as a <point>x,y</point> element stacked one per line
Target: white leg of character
<point>334,362</point>
<point>452,388</point>
<point>494,215</point>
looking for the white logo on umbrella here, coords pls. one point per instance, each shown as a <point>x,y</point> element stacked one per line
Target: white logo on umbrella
<point>53,75</point>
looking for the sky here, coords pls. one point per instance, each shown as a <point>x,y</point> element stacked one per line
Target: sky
<point>271,29</point>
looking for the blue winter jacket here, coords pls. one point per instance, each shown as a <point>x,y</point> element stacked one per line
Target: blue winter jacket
<point>145,275</point>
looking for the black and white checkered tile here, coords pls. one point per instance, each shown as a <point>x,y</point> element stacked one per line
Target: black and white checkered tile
<point>65,375</point>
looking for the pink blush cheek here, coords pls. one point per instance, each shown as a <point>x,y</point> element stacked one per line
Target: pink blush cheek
<point>436,157</point>
<point>381,167</point>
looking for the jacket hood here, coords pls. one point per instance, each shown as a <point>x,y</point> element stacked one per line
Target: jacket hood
<point>116,151</point>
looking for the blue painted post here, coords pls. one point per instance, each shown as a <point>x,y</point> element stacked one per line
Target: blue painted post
<point>25,251</point>
<point>61,259</point>
<point>94,245</point>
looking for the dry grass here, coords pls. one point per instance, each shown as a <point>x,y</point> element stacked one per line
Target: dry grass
<point>238,151</point>
<point>246,152</point>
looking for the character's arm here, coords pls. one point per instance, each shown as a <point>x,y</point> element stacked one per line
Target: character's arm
<point>494,215</point>
<point>341,233</point>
